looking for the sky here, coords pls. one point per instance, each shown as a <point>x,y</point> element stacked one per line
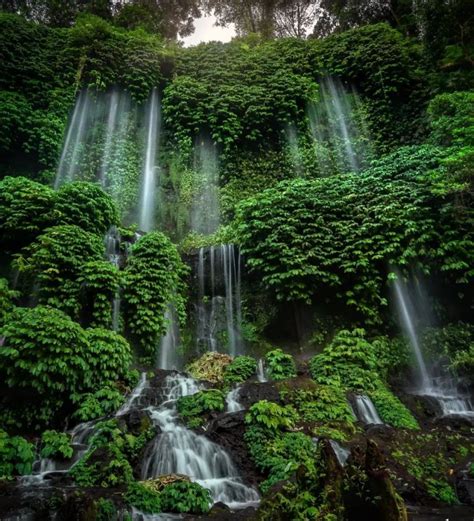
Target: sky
<point>206,31</point>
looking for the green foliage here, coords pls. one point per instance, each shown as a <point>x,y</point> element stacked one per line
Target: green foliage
<point>55,361</point>
<point>143,498</point>
<point>112,451</point>
<point>391,410</point>
<point>332,238</point>
<point>44,350</point>
<point>55,260</point>
<point>318,403</point>
<point>348,361</point>
<point>16,456</point>
<point>455,342</point>
<point>153,280</point>
<point>56,445</point>
<point>452,118</point>
<point>109,356</point>
<point>185,496</point>
<point>7,297</point>
<point>240,369</point>
<point>86,205</point>
<point>91,406</point>
<point>26,210</point>
<point>270,416</point>
<point>99,285</point>
<point>280,365</point>
<point>193,407</point>
<point>106,510</point>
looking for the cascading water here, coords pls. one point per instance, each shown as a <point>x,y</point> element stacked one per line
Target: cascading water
<point>113,254</point>
<point>135,395</point>
<point>178,450</point>
<point>443,387</point>
<point>232,400</point>
<point>219,308</point>
<point>342,454</point>
<point>366,411</point>
<point>334,124</point>
<point>168,355</point>
<point>205,209</point>
<point>98,118</point>
<point>150,169</point>
<point>261,373</point>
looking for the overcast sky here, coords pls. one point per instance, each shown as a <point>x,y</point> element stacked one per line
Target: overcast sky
<point>206,31</point>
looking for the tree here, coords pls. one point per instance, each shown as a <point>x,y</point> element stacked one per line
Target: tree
<point>249,16</point>
<point>295,17</point>
<point>169,18</point>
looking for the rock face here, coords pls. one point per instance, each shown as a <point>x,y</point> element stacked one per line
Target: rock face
<point>228,431</point>
<point>253,392</point>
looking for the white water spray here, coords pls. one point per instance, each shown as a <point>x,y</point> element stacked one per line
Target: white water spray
<point>149,178</point>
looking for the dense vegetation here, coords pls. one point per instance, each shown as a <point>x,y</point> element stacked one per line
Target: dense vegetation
<point>333,147</point>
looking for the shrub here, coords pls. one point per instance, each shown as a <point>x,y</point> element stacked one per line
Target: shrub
<point>25,211</point>
<point>280,365</point>
<point>16,456</point>
<point>99,281</point>
<point>240,369</point>
<point>109,356</point>
<point>271,416</point>
<point>153,279</point>
<point>55,261</point>
<point>86,205</point>
<point>91,406</point>
<point>45,351</point>
<point>193,407</point>
<point>56,445</point>
<point>391,410</point>
<point>185,496</point>
<point>143,498</point>
<point>347,362</point>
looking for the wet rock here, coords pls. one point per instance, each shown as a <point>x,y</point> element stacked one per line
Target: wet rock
<point>228,431</point>
<point>456,423</point>
<point>253,392</point>
<point>465,489</point>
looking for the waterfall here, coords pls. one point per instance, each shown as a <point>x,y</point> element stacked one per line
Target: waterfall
<point>74,139</point>
<point>367,413</point>
<point>149,180</point>
<point>261,373</point>
<point>178,450</point>
<point>232,400</point>
<point>333,124</point>
<point>443,387</point>
<point>113,254</point>
<point>205,209</point>
<point>168,356</point>
<point>97,121</point>
<point>341,453</point>
<point>44,468</point>
<point>109,134</point>
<point>219,308</point>
<point>135,395</point>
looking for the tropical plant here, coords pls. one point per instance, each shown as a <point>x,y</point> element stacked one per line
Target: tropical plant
<point>270,416</point>
<point>193,408</point>
<point>240,369</point>
<point>280,365</point>
<point>56,445</point>
<point>185,496</point>
<point>16,456</point>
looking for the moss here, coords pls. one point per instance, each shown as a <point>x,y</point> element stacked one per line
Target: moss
<point>210,367</point>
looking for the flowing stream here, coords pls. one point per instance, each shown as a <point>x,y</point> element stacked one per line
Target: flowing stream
<point>232,400</point>
<point>261,372</point>
<point>178,450</point>
<point>444,387</point>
